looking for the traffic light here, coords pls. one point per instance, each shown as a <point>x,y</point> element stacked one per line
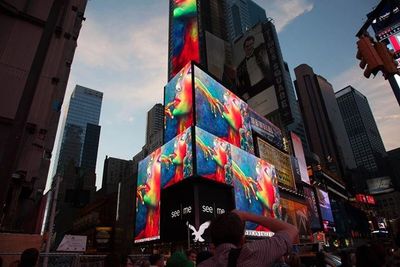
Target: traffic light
<point>389,65</point>
<point>370,60</point>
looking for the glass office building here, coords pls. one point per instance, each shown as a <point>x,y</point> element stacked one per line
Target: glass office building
<point>81,132</point>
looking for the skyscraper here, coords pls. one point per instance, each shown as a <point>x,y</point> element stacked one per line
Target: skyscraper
<point>322,120</point>
<point>81,131</point>
<point>22,25</point>
<point>155,121</point>
<point>115,171</point>
<point>243,15</point>
<point>365,140</point>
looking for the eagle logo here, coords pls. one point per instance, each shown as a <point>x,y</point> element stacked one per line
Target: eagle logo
<point>198,233</point>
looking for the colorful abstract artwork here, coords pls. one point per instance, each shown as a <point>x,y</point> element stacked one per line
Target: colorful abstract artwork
<point>178,104</point>
<point>213,157</point>
<point>256,186</point>
<point>148,191</point>
<point>176,159</point>
<point>185,34</point>
<point>221,113</point>
<point>297,214</point>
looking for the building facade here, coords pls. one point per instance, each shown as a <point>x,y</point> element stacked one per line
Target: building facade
<point>155,121</point>
<point>115,170</point>
<point>22,25</point>
<point>362,131</point>
<point>81,132</point>
<point>322,120</point>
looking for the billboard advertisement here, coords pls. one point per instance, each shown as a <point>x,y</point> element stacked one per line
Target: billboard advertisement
<point>266,129</point>
<point>147,225</point>
<point>264,102</point>
<point>280,160</point>
<point>380,185</point>
<point>215,55</point>
<point>177,159</point>
<point>213,156</point>
<point>220,112</point>
<point>253,69</point>
<point>299,153</point>
<point>184,35</point>
<point>325,206</point>
<point>311,201</point>
<point>297,214</point>
<point>256,187</point>
<point>178,103</point>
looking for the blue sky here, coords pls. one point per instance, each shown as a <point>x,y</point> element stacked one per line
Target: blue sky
<point>122,51</point>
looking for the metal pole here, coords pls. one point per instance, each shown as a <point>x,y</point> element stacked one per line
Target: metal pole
<point>9,159</point>
<point>395,88</point>
<point>51,221</point>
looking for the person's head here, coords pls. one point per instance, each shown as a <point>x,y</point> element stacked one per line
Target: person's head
<point>157,260</point>
<point>227,228</point>
<point>248,46</point>
<point>191,255</point>
<point>202,256</point>
<point>29,257</point>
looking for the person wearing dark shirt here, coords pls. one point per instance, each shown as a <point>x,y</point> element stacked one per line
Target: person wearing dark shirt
<point>227,234</point>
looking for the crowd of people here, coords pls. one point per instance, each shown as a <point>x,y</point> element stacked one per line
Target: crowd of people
<point>229,249</point>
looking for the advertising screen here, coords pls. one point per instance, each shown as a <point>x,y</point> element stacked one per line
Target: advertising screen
<point>315,221</point>
<point>256,187</point>
<point>147,225</point>
<point>184,34</point>
<point>280,160</point>
<point>220,112</point>
<point>213,157</point>
<point>178,104</point>
<point>299,153</point>
<point>297,214</point>
<point>380,185</point>
<point>253,69</point>
<point>266,129</point>
<point>264,103</point>
<point>177,159</point>
<point>325,206</point>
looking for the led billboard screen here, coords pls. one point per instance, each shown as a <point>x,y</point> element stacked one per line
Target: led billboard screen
<point>176,159</point>
<point>184,34</point>
<point>297,214</point>
<point>280,160</point>
<point>266,129</point>
<point>178,103</point>
<point>253,69</point>
<point>325,206</point>
<point>213,157</point>
<point>299,153</point>
<point>315,221</point>
<point>380,185</point>
<point>256,187</point>
<point>147,225</point>
<point>220,112</point>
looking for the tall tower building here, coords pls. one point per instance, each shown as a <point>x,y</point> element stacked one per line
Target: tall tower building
<point>155,121</point>
<point>115,170</point>
<point>81,132</point>
<point>323,122</point>
<point>22,25</point>
<point>243,15</point>
<point>365,140</point>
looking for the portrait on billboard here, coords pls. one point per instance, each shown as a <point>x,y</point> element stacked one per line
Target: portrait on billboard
<point>148,191</point>
<point>178,104</point>
<point>256,186</point>
<point>176,159</point>
<point>213,157</point>
<point>253,69</point>
<point>185,34</point>
<point>221,113</point>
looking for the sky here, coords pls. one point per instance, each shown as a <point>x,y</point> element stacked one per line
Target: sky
<point>123,51</point>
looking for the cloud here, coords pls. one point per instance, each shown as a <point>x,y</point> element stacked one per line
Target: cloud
<point>381,100</point>
<point>284,12</point>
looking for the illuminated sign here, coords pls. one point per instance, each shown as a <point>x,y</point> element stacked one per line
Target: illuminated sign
<point>266,129</point>
<point>280,160</point>
<point>315,221</point>
<point>184,35</point>
<point>325,206</point>
<point>297,214</point>
<point>299,153</point>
